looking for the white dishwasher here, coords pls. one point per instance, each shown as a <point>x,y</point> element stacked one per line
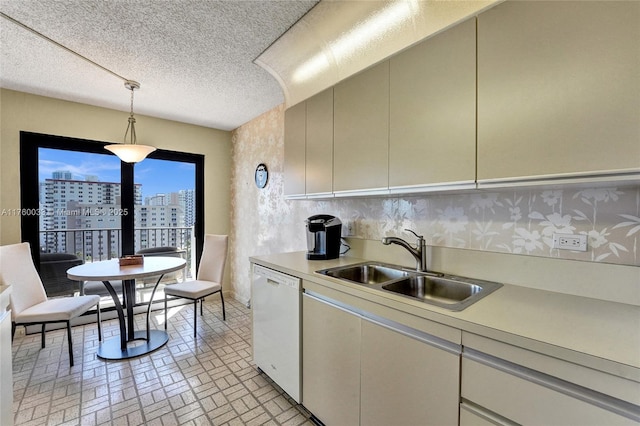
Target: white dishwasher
<point>275,303</point>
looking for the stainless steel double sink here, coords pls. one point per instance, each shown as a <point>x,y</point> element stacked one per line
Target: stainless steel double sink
<point>447,291</point>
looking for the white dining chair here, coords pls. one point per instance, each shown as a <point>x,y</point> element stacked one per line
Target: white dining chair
<point>28,300</point>
<point>208,279</point>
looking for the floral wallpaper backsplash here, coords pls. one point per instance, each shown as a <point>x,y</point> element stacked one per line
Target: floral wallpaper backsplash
<point>517,221</point>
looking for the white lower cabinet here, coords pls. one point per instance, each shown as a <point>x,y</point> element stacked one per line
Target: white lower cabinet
<point>364,363</point>
<point>330,362</point>
<point>406,379</point>
<point>361,369</point>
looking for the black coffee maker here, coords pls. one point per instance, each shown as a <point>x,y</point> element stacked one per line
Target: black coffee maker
<point>323,237</point>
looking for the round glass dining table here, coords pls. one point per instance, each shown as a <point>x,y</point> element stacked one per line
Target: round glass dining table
<point>132,343</point>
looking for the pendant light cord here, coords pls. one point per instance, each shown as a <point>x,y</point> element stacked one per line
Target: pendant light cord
<point>44,37</point>
<point>132,122</point>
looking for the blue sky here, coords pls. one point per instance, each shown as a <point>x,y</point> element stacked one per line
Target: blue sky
<point>156,176</point>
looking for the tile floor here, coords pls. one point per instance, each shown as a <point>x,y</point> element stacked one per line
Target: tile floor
<point>207,381</point>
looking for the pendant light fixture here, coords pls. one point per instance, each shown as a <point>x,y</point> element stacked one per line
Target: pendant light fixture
<point>131,152</point>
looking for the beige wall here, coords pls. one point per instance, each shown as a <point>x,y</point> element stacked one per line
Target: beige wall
<point>501,235</point>
<point>20,111</point>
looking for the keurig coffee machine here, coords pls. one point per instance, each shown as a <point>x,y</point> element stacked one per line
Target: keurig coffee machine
<point>323,237</point>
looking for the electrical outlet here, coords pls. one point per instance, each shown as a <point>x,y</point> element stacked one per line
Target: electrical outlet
<point>575,242</point>
<point>349,228</point>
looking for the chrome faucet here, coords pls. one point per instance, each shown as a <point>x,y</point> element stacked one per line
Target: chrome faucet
<point>419,252</point>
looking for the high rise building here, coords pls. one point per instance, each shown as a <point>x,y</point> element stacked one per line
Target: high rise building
<point>69,204</point>
<point>159,226</point>
<point>62,175</point>
<point>186,199</point>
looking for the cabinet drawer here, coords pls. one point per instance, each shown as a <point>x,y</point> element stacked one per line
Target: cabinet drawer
<point>623,387</point>
<point>527,397</point>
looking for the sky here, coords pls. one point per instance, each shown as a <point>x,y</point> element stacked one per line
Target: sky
<point>156,176</point>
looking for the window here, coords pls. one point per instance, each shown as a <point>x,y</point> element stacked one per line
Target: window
<point>75,223</point>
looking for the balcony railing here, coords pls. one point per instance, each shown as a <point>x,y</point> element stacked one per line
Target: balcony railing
<point>96,244</point>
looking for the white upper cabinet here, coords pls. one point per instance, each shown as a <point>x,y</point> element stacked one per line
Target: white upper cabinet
<point>361,131</point>
<point>526,93</point>
<point>558,91</point>
<point>432,130</point>
<point>319,152</point>
<point>294,150</point>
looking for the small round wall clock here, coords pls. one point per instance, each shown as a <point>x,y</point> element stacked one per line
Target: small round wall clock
<point>261,176</point>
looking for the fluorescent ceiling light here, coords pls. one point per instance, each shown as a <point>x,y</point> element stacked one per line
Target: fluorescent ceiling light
<point>357,38</point>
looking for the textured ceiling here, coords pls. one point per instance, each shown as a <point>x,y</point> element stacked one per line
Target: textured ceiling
<point>193,59</point>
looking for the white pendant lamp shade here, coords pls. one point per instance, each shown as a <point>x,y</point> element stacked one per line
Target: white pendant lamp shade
<point>131,152</point>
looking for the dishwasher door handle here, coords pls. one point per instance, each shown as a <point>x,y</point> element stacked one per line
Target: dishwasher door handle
<point>272,282</point>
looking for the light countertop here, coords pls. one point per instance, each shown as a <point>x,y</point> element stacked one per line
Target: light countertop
<point>597,334</point>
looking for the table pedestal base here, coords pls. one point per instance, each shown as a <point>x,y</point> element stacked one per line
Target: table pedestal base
<point>110,349</point>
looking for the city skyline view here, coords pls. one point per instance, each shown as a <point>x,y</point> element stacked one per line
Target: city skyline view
<point>155,176</point>
<point>80,211</point>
